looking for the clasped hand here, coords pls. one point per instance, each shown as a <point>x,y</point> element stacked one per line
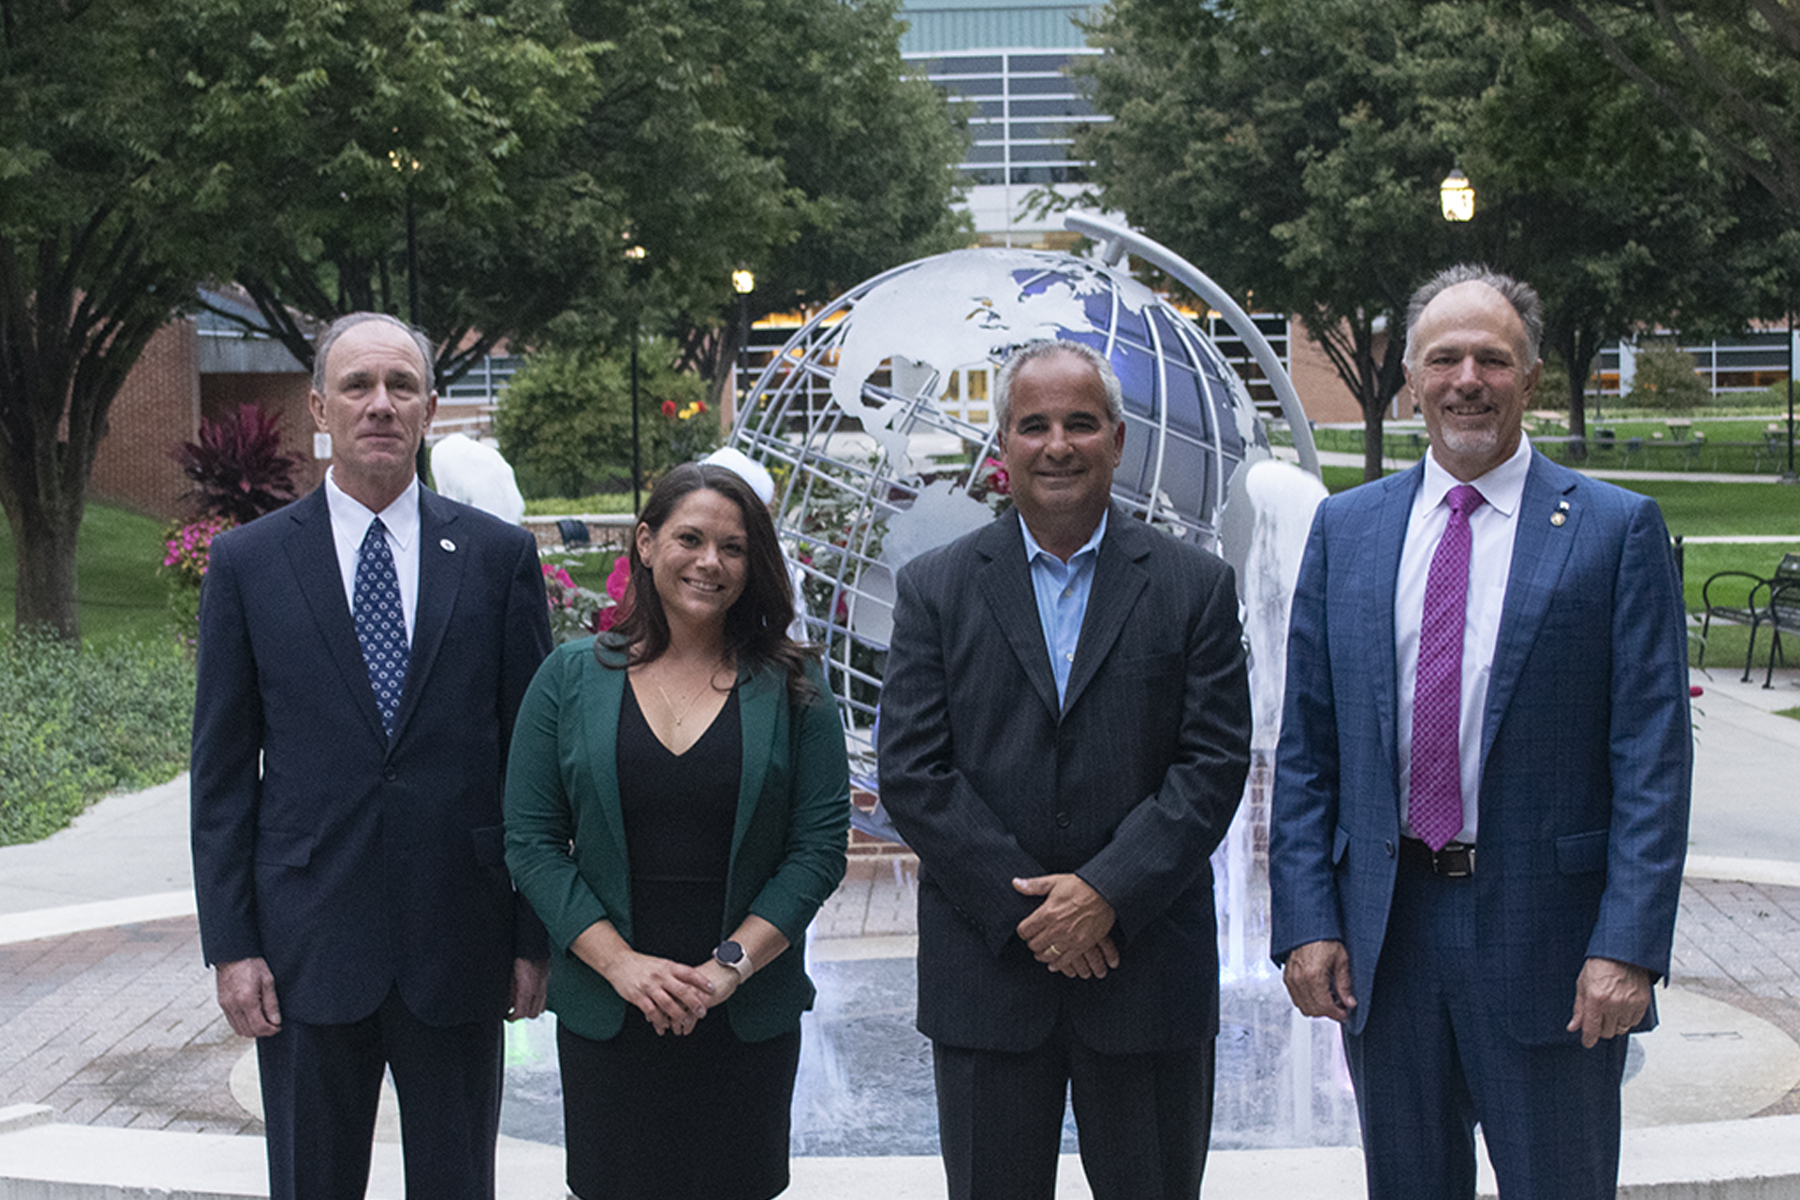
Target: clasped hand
<point>1070,932</point>
<point>671,995</point>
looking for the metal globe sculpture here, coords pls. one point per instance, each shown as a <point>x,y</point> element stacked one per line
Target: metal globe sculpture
<point>875,421</point>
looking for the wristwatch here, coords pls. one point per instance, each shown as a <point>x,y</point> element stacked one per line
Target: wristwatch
<point>730,954</point>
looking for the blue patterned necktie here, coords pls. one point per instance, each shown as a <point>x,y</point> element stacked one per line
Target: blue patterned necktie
<point>381,622</point>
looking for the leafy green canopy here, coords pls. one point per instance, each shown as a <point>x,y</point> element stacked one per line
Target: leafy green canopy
<point>1293,151</point>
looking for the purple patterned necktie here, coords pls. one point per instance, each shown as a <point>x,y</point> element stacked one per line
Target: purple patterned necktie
<point>1435,806</point>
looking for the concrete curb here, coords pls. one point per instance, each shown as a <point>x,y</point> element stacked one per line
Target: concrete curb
<point>1725,1160</point>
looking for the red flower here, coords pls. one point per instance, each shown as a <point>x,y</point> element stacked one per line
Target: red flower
<point>699,406</point>
<point>668,408</point>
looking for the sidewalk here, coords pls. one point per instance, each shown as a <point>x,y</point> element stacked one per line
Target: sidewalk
<point>107,1014</point>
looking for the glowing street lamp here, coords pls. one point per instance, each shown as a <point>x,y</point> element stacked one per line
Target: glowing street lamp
<point>1457,195</point>
<point>743,282</point>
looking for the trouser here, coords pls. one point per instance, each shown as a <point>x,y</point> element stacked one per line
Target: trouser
<point>321,1085</point>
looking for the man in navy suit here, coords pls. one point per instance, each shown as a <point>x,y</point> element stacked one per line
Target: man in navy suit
<point>1481,799</point>
<point>1065,724</point>
<point>362,655</point>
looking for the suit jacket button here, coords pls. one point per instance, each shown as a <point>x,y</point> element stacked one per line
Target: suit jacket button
<point>1389,847</point>
<point>390,774</point>
<point>1062,820</point>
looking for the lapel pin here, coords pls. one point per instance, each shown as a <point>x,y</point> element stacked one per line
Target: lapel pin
<point>1561,514</point>
<point>450,546</point>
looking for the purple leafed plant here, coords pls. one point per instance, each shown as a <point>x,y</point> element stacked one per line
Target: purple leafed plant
<point>238,467</point>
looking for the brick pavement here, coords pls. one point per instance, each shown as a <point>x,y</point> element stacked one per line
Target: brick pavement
<point>118,1026</point>
<point>1740,943</point>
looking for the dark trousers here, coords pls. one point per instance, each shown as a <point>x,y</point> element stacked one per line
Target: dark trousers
<point>321,1085</point>
<point>1434,1059</point>
<point>1143,1121</point>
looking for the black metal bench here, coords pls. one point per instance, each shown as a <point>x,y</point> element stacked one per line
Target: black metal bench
<point>1773,603</point>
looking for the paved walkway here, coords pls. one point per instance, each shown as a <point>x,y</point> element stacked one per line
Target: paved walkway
<point>107,1015</point>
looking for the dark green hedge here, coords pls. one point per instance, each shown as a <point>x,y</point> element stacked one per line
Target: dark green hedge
<point>78,723</point>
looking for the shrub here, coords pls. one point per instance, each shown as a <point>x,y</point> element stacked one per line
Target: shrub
<point>78,723</point>
<point>186,551</point>
<point>564,422</point>
<point>1666,379</point>
<point>238,467</point>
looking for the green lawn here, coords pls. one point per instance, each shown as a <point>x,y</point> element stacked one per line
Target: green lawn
<point>121,596</point>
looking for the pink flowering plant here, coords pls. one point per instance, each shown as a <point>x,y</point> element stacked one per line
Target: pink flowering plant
<point>575,611</point>
<point>187,548</point>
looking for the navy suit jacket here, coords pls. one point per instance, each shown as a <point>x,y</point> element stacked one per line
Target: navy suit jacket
<point>1586,757</point>
<point>1130,784</point>
<point>352,864</point>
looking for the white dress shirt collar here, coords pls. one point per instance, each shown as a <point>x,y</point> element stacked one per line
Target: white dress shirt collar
<point>1502,488</point>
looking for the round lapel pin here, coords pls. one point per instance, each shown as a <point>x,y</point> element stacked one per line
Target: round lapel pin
<point>450,546</point>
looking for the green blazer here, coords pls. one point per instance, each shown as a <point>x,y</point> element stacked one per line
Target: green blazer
<point>565,834</point>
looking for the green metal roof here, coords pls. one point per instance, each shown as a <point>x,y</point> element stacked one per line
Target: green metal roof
<point>938,26</point>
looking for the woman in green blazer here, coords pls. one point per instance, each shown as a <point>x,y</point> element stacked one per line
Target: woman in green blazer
<point>677,799</point>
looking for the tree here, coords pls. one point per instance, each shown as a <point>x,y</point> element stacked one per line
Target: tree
<point>1729,69</point>
<point>1293,151</point>
<point>111,211</point>
<point>413,160</point>
<point>1619,222</point>
<point>565,421</point>
<point>851,159</point>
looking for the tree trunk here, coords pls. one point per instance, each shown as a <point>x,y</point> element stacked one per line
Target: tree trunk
<point>1577,414</point>
<point>46,595</point>
<point>1374,414</point>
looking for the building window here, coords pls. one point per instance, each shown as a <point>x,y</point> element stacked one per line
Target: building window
<point>1024,113</point>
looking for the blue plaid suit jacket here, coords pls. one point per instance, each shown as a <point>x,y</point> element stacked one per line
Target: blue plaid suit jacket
<point>1587,751</point>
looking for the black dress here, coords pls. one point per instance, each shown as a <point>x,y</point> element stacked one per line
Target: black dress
<point>702,1114</point>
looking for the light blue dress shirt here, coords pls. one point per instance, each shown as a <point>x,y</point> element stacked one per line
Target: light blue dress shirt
<point>1062,591</point>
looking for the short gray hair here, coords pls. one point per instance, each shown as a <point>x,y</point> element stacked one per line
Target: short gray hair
<point>1044,348</point>
<point>349,321</point>
<point>1522,296</point>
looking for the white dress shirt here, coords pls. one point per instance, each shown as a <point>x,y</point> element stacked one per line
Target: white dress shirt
<point>350,524</point>
<point>1492,527</point>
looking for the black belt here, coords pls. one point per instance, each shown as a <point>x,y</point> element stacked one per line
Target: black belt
<point>1455,861</point>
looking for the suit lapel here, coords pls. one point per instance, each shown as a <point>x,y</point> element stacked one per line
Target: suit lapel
<point>600,707</point>
<point>441,559</point>
<point>1004,581</point>
<point>1540,549</point>
<point>759,702</point>
<point>1399,491</point>
<point>1119,579</point>
<point>312,556</point>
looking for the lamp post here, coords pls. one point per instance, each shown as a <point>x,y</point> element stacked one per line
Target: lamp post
<point>635,256</point>
<point>402,162</point>
<point>1790,477</point>
<point>1456,195</point>
<point>743,281</point>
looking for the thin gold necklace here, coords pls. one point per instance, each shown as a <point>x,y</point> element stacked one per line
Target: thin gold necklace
<point>682,712</point>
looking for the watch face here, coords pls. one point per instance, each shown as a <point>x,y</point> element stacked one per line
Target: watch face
<point>729,953</point>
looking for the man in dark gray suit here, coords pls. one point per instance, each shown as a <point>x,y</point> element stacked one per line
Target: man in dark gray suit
<point>1064,738</point>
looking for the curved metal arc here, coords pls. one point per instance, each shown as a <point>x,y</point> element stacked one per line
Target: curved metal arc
<point>1115,240</point>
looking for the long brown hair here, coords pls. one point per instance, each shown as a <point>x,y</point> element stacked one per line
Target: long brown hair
<point>756,625</point>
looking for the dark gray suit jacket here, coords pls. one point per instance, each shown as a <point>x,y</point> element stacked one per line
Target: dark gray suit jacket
<point>350,863</point>
<point>1130,785</point>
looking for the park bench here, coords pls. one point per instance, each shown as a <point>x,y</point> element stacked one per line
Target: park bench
<point>1773,602</point>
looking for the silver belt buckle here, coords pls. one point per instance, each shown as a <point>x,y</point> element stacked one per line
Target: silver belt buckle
<point>1455,861</point>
